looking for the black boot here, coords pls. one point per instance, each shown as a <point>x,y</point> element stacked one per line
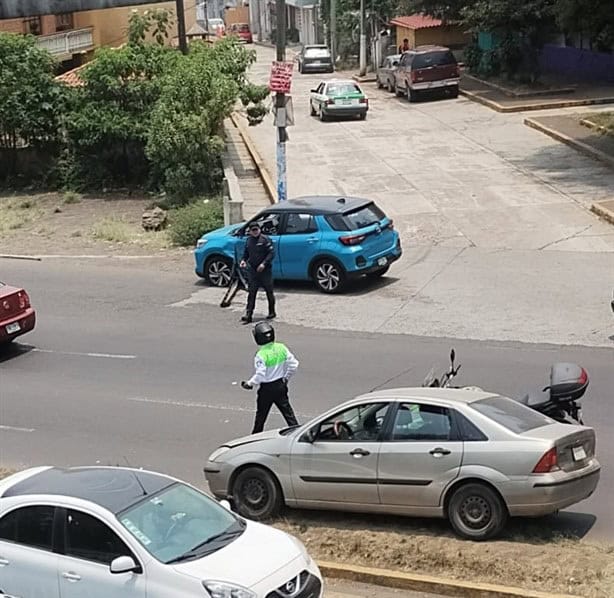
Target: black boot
<point>246,319</point>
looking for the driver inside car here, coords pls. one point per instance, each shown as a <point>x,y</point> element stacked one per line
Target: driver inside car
<point>369,431</point>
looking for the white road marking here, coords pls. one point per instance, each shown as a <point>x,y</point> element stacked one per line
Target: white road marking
<point>191,404</point>
<point>77,354</point>
<point>238,408</point>
<point>16,429</point>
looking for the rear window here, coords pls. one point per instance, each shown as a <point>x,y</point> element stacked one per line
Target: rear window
<point>441,58</point>
<point>342,89</point>
<point>317,53</point>
<point>511,414</point>
<point>356,219</point>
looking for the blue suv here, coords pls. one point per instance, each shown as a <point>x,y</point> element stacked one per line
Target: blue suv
<point>325,239</point>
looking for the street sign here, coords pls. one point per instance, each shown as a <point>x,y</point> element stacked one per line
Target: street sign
<point>281,77</point>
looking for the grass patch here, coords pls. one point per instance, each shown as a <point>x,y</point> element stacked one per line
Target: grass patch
<point>187,224</point>
<point>70,197</point>
<point>17,214</point>
<point>117,230</point>
<point>602,119</point>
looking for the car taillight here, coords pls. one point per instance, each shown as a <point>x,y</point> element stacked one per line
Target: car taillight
<point>352,240</point>
<point>414,76</point>
<point>583,376</point>
<point>390,225</point>
<point>364,101</point>
<point>549,462</point>
<point>24,300</point>
<point>330,101</point>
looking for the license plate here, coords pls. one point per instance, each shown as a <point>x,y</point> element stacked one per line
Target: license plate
<point>382,261</point>
<point>346,102</point>
<point>14,327</point>
<point>578,453</point>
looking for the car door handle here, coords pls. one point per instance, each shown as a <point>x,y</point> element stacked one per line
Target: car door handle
<point>4,562</point>
<point>439,452</point>
<point>359,453</point>
<point>70,576</point>
<point>312,239</point>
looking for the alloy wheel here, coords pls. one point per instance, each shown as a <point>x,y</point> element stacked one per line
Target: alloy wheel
<point>328,276</point>
<point>219,273</point>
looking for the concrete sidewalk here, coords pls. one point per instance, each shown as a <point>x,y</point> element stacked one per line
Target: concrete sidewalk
<point>494,217</point>
<point>346,589</point>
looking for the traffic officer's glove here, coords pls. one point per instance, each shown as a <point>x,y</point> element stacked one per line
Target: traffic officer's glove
<point>246,385</point>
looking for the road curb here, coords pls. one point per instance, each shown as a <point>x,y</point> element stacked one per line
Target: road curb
<point>428,583</point>
<point>603,211</point>
<point>522,95</point>
<point>583,148</point>
<point>11,256</point>
<point>263,172</point>
<point>532,107</point>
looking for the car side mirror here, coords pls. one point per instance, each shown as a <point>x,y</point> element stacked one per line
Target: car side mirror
<point>124,564</point>
<point>311,435</point>
<point>226,505</point>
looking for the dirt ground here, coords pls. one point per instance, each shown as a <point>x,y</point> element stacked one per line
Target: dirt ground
<point>528,556</point>
<point>72,224</point>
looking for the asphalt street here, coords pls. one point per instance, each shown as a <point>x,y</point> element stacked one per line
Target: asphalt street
<point>116,372</point>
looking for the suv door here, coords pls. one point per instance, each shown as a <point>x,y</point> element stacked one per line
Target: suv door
<point>270,225</point>
<point>420,456</point>
<point>89,547</point>
<point>339,463</point>
<point>298,244</point>
<point>28,565</point>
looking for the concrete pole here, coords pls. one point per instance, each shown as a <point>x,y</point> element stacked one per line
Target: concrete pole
<point>280,100</point>
<point>363,41</point>
<point>259,9</point>
<point>183,40</point>
<point>333,30</point>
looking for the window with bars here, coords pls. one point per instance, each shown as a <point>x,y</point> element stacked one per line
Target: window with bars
<point>32,26</point>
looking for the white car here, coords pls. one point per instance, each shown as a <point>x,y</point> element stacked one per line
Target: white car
<point>116,532</point>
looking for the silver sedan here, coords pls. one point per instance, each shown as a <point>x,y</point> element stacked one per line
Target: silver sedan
<point>473,457</point>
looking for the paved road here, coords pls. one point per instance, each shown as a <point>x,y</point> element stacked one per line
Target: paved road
<point>116,373</point>
<point>499,243</point>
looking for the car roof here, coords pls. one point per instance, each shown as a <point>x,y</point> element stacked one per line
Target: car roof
<point>426,48</point>
<point>113,488</point>
<point>320,204</point>
<point>450,395</point>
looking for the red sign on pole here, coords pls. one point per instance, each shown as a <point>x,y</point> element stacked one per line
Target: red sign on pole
<point>281,77</point>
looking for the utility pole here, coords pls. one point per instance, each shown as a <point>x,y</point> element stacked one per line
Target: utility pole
<point>333,30</point>
<point>207,18</point>
<point>363,41</point>
<point>280,101</point>
<point>259,9</point>
<point>183,40</point>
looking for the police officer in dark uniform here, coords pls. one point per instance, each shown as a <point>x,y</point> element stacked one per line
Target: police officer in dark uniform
<point>257,258</point>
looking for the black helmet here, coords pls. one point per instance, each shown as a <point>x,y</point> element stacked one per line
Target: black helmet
<point>263,333</point>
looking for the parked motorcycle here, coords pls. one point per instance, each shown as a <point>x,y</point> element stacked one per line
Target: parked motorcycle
<point>559,400</point>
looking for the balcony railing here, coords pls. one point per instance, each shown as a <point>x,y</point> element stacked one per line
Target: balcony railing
<point>67,42</point>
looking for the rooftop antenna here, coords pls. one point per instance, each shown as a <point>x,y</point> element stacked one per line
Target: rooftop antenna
<point>136,477</point>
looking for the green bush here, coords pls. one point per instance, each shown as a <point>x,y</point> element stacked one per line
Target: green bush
<point>189,223</point>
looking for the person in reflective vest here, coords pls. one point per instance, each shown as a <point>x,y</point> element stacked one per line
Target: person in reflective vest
<point>274,365</point>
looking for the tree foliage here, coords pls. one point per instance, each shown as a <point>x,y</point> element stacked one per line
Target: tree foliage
<point>31,101</point>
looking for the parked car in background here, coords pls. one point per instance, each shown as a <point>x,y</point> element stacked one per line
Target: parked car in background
<point>385,73</point>
<point>242,31</point>
<point>17,316</point>
<point>471,456</point>
<point>111,532</point>
<point>338,98</point>
<point>427,68</point>
<point>315,59</point>
<point>329,240</point>
<point>216,26</point>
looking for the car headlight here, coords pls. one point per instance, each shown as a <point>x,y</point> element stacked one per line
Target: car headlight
<point>200,243</point>
<point>221,589</point>
<point>217,453</point>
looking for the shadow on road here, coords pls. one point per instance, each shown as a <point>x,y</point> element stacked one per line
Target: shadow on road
<point>13,350</point>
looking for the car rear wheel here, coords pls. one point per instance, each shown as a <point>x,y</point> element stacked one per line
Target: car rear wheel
<point>362,116</point>
<point>329,276</point>
<point>454,91</point>
<point>476,512</point>
<point>378,83</point>
<point>312,111</point>
<point>412,95</point>
<point>398,92</point>
<point>323,116</point>
<point>390,86</point>
<point>218,270</point>
<point>256,494</point>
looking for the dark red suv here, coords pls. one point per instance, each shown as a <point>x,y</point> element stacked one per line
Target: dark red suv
<point>427,68</point>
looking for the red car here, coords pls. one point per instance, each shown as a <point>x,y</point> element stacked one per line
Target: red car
<point>242,31</point>
<point>17,316</point>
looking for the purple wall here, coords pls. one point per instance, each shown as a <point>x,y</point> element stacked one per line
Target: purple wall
<point>583,64</point>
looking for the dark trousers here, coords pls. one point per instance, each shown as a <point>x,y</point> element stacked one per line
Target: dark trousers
<point>256,280</point>
<point>269,394</point>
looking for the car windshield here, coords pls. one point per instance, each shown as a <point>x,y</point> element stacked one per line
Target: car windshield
<point>365,216</point>
<point>440,58</point>
<point>342,89</point>
<point>511,414</point>
<point>317,53</point>
<point>180,523</point>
